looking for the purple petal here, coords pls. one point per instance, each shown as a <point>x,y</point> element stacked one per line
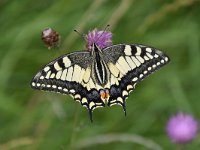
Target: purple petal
<point>101,38</point>
<point>182,128</point>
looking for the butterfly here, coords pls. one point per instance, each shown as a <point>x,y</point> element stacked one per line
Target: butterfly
<point>101,76</point>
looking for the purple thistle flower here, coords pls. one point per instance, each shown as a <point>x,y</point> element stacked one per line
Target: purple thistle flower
<point>182,128</point>
<point>101,38</point>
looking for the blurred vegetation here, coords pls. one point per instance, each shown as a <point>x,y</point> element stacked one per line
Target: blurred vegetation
<point>42,120</point>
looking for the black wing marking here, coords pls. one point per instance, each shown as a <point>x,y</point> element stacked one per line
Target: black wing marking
<point>129,64</point>
<point>70,74</point>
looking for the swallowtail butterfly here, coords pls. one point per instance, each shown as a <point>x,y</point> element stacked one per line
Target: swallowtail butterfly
<point>101,76</point>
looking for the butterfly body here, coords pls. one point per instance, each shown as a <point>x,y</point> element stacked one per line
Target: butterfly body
<point>101,76</point>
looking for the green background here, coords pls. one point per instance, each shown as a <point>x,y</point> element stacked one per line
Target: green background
<point>42,120</point>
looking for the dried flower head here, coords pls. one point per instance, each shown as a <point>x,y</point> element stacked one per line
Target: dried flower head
<point>50,37</point>
<point>101,38</point>
<point>182,128</point>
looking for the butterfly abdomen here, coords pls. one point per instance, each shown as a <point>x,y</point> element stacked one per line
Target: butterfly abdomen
<point>100,70</point>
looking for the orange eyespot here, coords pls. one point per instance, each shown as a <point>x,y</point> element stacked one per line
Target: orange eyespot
<point>107,94</point>
<point>103,94</point>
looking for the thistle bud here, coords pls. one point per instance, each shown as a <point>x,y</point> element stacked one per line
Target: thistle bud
<point>50,37</point>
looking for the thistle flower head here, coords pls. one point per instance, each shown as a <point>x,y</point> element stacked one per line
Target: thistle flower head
<point>182,128</point>
<point>50,37</point>
<point>101,38</point>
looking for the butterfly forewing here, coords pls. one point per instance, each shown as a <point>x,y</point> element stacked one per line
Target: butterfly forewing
<point>70,74</point>
<point>129,64</point>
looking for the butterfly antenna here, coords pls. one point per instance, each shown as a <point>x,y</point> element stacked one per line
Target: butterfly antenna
<point>82,35</point>
<point>105,29</point>
<point>107,26</point>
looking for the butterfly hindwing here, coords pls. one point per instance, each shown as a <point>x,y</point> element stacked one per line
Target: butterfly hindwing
<point>70,74</point>
<point>129,64</point>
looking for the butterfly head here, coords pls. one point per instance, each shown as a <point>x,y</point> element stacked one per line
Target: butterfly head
<point>95,47</point>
